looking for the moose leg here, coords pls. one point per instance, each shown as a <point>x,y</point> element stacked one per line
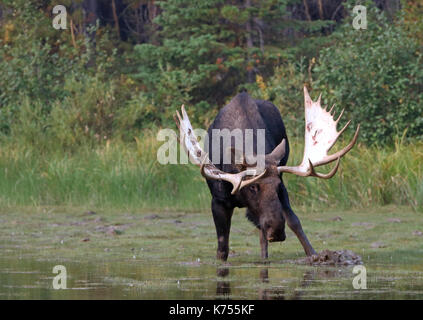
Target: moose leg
<point>294,223</point>
<point>222,220</point>
<point>263,245</point>
<point>263,240</point>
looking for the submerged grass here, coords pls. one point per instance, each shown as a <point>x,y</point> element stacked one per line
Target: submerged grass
<point>125,175</point>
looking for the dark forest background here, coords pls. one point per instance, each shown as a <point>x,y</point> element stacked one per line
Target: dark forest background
<point>122,66</point>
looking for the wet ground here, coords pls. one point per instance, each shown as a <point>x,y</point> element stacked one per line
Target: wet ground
<point>171,256</point>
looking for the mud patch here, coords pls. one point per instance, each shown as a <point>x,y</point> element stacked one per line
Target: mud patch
<point>378,244</point>
<point>332,258</point>
<point>112,230</point>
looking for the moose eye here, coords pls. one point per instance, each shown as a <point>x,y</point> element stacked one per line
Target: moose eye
<point>254,188</point>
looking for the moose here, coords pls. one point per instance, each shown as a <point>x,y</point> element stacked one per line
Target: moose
<point>262,191</point>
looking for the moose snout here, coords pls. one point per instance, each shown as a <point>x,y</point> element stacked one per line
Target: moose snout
<point>276,237</point>
<point>272,222</point>
<point>274,234</point>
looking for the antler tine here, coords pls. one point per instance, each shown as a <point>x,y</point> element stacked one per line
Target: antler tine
<point>340,115</point>
<point>345,127</point>
<point>237,179</point>
<point>184,113</point>
<point>250,181</point>
<point>294,170</point>
<point>324,176</point>
<point>176,120</point>
<point>331,109</point>
<point>339,133</point>
<point>340,153</point>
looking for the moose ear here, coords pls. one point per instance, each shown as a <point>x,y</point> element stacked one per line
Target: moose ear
<point>278,153</point>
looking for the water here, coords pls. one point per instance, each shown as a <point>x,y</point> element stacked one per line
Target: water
<point>137,279</point>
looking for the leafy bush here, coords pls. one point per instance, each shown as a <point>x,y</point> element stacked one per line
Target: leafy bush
<point>86,114</point>
<point>377,75</point>
<point>54,94</point>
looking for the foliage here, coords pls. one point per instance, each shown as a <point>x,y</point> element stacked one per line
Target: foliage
<point>207,51</point>
<point>413,23</point>
<point>376,75</point>
<point>202,55</point>
<point>51,90</point>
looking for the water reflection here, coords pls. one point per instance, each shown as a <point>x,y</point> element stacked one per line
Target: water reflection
<point>223,288</point>
<point>269,293</point>
<point>32,279</point>
<point>274,291</point>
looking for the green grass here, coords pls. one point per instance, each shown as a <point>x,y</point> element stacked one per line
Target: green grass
<point>124,175</point>
<point>114,176</point>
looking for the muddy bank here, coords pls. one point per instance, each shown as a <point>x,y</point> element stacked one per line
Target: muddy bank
<point>332,258</point>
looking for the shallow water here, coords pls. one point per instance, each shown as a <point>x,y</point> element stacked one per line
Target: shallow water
<point>137,279</point>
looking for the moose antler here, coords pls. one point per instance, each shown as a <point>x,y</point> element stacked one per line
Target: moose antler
<point>320,136</point>
<point>197,156</point>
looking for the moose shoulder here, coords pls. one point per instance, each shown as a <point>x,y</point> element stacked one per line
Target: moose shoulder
<point>253,133</point>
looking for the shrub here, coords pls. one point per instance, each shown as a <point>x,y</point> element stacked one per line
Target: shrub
<point>376,75</point>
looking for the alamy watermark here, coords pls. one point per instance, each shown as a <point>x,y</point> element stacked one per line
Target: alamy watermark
<point>60,281</point>
<point>360,19</point>
<point>227,147</point>
<point>59,21</point>
<point>360,280</point>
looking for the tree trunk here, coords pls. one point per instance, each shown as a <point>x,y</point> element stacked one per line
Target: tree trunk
<point>115,18</point>
<point>90,9</point>
<point>250,45</point>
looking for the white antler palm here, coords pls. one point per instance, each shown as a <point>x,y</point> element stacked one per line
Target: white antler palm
<point>320,136</point>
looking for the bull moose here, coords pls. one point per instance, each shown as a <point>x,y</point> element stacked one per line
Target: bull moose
<point>261,191</point>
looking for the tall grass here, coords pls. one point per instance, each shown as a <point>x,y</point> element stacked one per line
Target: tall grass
<point>128,176</point>
<point>116,175</point>
<point>368,176</point>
